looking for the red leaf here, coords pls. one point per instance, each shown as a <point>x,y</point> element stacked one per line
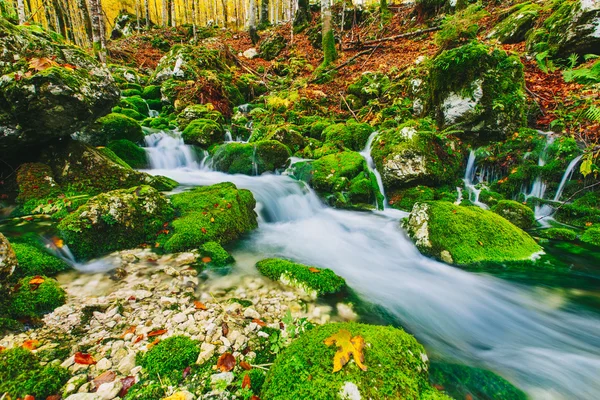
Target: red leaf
<point>199,305</point>
<point>259,322</point>
<point>186,372</point>
<point>31,344</point>
<point>314,270</point>
<point>224,329</point>
<point>28,397</point>
<point>226,362</point>
<point>54,397</point>
<point>206,260</point>
<point>127,382</point>
<point>138,338</point>
<point>84,359</point>
<point>246,382</point>
<point>157,332</point>
<point>245,365</point>
<point>129,330</point>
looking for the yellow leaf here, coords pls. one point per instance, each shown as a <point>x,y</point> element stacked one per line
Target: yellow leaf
<point>176,396</point>
<point>41,64</point>
<point>347,346</point>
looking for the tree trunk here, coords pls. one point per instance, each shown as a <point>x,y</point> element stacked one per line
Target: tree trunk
<point>85,17</point>
<point>165,12</point>
<point>264,13</point>
<point>194,21</point>
<point>21,11</point>
<point>252,22</point>
<point>147,8</point>
<point>171,12</point>
<point>98,32</point>
<point>302,17</point>
<point>225,14</point>
<point>329,52</point>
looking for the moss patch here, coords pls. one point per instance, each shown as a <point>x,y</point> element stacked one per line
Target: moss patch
<point>251,158</point>
<point>35,300</point>
<point>113,127</point>
<point>171,356</point>
<point>517,213</point>
<point>34,259</point>
<point>203,133</point>
<point>129,152</point>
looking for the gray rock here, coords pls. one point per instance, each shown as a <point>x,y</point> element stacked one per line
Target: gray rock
<point>109,390</point>
<point>84,396</point>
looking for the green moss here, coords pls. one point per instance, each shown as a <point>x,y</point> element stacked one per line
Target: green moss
<point>467,234</point>
<point>113,127</point>
<point>405,199</point>
<point>198,111</point>
<point>558,234</point>
<point>514,27</point>
<point>517,213</point>
<point>146,391</point>
<point>36,181</point>
<point>218,213</point>
<point>130,92</point>
<point>203,133</point>
<point>129,152</point>
<point>329,50</point>
<point>396,366</point>
<point>251,158</point>
<point>22,374</point>
<point>129,112</point>
<point>272,46</point>
<point>460,27</point>
<point>219,257</point>
<point>591,236</point>
<point>33,301</point>
<point>460,382</point>
<point>311,279</point>
<point>351,135</point>
<point>116,220</point>
<point>34,259</point>
<point>151,92</point>
<point>170,357</point>
<point>135,103</point>
<point>108,153</point>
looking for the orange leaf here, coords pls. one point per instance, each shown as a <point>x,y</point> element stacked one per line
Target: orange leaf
<point>28,397</point>
<point>41,64</point>
<point>84,359</point>
<point>314,270</point>
<point>2,348</point>
<point>206,259</point>
<point>259,322</point>
<point>199,305</point>
<point>36,280</point>
<point>245,365</point>
<point>226,362</point>
<point>31,344</point>
<point>138,338</point>
<point>246,382</point>
<point>129,330</point>
<point>156,341</point>
<point>203,230</point>
<point>157,332</point>
<point>347,346</point>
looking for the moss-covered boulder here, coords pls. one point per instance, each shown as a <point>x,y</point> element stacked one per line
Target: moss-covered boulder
<point>116,220</point>
<point>314,281</point>
<point>136,103</point>
<point>351,135</point>
<point>198,111</point>
<point>89,170</point>
<point>251,158</point>
<point>36,181</point>
<point>41,96</point>
<point>185,62</point>
<point>203,133</point>
<point>466,235</point>
<point>8,259</point>
<point>288,135</point>
<point>591,236</point>
<point>218,213</point>
<point>480,88</point>
<point>170,357</point>
<point>272,46</point>
<point>517,213</point>
<point>35,296</point>
<point>514,27</point>
<point>129,152</point>
<point>342,179</point>
<point>151,92</point>
<point>214,255</point>
<point>414,153</point>
<point>396,367</point>
<point>112,127</point>
<point>34,258</point>
<point>565,234</point>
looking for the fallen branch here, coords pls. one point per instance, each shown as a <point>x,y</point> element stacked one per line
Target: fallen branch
<point>342,65</point>
<point>569,199</point>
<point>348,105</point>
<point>390,38</point>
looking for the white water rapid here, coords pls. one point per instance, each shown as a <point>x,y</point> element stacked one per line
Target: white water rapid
<point>366,153</point>
<point>551,351</point>
<point>470,183</point>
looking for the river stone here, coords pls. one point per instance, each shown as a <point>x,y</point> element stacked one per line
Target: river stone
<point>8,259</point>
<point>84,396</point>
<point>73,384</point>
<point>109,390</point>
<point>127,364</point>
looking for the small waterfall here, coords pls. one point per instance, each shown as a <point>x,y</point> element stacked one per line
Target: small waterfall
<point>244,108</point>
<point>470,183</point>
<point>254,163</point>
<point>459,198</point>
<point>153,113</point>
<point>366,153</point>
<point>566,177</point>
<point>166,150</point>
<point>63,252</point>
<point>538,189</point>
<point>228,137</point>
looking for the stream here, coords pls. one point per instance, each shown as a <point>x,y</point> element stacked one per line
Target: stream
<point>550,349</point>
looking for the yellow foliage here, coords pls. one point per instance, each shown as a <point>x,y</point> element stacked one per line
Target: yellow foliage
<point>347,346</point>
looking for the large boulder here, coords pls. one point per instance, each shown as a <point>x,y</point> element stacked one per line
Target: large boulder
<point>203,133</point>
<point>8,259</point>
<point>90,170</point>
<point>187,63</point>
<point>478,88</point>
<point>514,27</point>
<point>351,135</point>
<point>342,179</point>
<point>467,235</point>
<point>115,220</point>
<point>517,213</point>
<point>218,213</point>
<point>36,181</point>
<point>413,154</point>
<point>251,158</point>
<point>48,88</point>
<point>112,127</point>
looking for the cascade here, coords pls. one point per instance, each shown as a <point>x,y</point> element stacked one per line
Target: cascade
<point>470,183</point>
<point>228,137</point>
<point>538,189</point>
<point>366,153</point>
<point>166,150</point>
<point>566,176</point>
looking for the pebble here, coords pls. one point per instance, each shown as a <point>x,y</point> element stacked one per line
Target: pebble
<point>109,390</point>
<point>251,313</point>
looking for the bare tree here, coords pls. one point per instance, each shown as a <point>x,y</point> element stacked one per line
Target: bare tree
<point>21,11</point>
<point>252,22</point>
<point>98,31</point>
<point>264,13</point>
<point>147,8</point>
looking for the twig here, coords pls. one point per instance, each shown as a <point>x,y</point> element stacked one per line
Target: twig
<point>570,198</point>
<point>533,96</point>
<point>348,105</point>
<point>403,35</point>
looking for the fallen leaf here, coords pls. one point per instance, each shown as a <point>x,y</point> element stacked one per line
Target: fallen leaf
<point>58,242</point>
<point>259,322</point>
<point>226,362</point>
<point>186,372</point>
<point>127,382</point>
<point>154,343</point>
<point>31,344</point>
<point>138,339</point>
<point>254,397</point>
<point>212,220</point>
<point>246,382</point>
<point>84,359</point>
<point>224,329</point>
<point>314,270</point>
<point>28,397</point>
<point>129,330</point>
<point>199,305</point>
<point>206,260</point>
<point>54,397</point>
<point>176,396</point>
<point>36,280</point>
<point>347,346</point>
<point>41,64</point>
<point>157,332</point>
<point>204,230</point>
<point>2,348</point>
<point>105,377</point>
<point>245,365</point>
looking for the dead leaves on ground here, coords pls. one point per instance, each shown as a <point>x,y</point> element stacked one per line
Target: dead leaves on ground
<point>347,346</point>
<point>226,362</point>
<point>84,359</point>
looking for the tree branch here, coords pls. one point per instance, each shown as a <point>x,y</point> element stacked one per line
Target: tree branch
<point>390,38</point>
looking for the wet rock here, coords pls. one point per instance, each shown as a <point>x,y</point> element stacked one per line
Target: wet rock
<point>8,259</point>
<point>109,390</point>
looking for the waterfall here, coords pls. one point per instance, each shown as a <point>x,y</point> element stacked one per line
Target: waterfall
<point>470,183</point>
<point>538,189</point>
<point>366,153</point>
<point>254,163</point>
<point>153,113</point>
<point>166,150</point>
<point>228,137</point>
<point>566,177</point>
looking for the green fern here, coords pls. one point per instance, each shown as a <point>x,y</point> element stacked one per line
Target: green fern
<point>584,75</point>
<point>593,113</point>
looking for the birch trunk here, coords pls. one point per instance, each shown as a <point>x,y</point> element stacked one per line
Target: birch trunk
<point>21,11</point>
<point>252,22</point>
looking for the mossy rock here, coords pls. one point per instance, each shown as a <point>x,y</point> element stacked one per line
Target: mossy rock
<point>272,46</point>
<point>467,235</point>
<point>289,136</point>
<point>342,179</point>
<point>582,212</point>
<point>314,281</point>
<point>396,367</point>
<point>198,111</point>
<point>185,63</point>
<point>591,236</point>
<point>34,259</point>
<point>8,260</point>
<point>480,88</point>
<point>219,213</point>
<point>370,86</point>
<point>351,135</point>
<point>40,106</point>
<point>151,92</point>
<point>517,213</point>
<point>113,127</point>
<point>34,300</point>
<point>116,220</point>
<point>129,152</point>
<point>22,374</point>
<point>36,181</point>
<point>565,234</point>
<point>214,255</point>
<point>85,169</point>
<point>414,153</point>
<point>251,158</point>
<point>129,112</point>
<point>203,133</point>
<point>171,356</point>
<point>461,381</point>
<point>514,27</point>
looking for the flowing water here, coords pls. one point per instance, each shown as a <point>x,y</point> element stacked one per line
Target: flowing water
<point>470,182</point>
<point>366,153</point>
<point>550,349</point>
